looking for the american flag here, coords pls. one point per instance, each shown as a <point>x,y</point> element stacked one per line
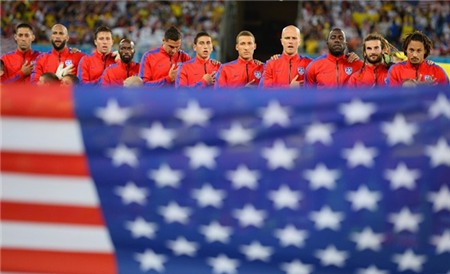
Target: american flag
<point>139,181</point>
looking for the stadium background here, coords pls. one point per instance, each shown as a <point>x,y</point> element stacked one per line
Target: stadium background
<point>145,22</point>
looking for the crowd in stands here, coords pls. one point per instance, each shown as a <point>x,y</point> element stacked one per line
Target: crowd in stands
<point>393,19</point>
<point>145,21</point>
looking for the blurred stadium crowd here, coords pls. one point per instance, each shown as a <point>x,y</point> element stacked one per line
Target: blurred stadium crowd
<point>145,21</point>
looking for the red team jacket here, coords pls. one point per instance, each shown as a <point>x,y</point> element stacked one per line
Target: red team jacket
<point>13,62</point>
<point>328,71</point>
<point>400,72</point>
<point>92,66</point>
<point>280,72</point>
<point>49,62</point>
<point>190,73</point>
<point>114,75</point>
<point>155,66</point>
<point>238,73</point>
<point>369,76</point>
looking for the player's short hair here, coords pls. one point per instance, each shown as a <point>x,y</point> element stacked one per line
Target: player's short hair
<point>201,34</point>
<point>420,37</point>
<point>245,33</point>
<point>102,29</point>
<point>23,25</point>
<point>173,33</point>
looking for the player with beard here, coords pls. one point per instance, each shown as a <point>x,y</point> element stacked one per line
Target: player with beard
<point>60,59</point>
<point>114,75</point>
<point>416,70</point>
<point>201,70</point>
<point>333,69</point>
<point>18,64</point>
<point>92,66</point>
<point>374,71</point>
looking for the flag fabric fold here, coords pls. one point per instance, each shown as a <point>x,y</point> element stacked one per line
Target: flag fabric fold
<point>226,182</point>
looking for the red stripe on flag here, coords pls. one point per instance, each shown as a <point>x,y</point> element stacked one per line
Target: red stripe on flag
<point>51,164</point>
<point>13,211</point>
<point>51,102</point>
<point>56,262</point>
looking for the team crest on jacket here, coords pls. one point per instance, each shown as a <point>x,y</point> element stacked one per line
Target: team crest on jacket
<point>428,78</point>
<point>257,74</point>
<point>68,62</point>
<point>348,70</point>
<point>301,70</point>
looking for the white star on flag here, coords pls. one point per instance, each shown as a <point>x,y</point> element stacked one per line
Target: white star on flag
<point>399,131</point>
<point>279,155</point>
<point>326,218</point>
<point>214,232</point>
<point>440,153</point>
<point>442,243</point>
<point>274,114</point>
<point>141,228</point>
<point>113,114</point>
<point>405,220</point>
<point>150,260</point>
<point>131,193</point>
<point>357,111</point>
<point>332,256</point>
<point>318,132</point>
<point>401,176</point>
<point>440,199</point>
<point>158,136</point>
<point>193,114</point>
<point>174,213</point>
<point>359,155</point>
<point>296,267</point>
<point>166,176</point>
<point>121,155</point>
<point>202,155</point>
<point>364,198</point>
<point>223,264</point>
<point>409,261</point>
<point>249,215</point>
<point>367,239</point>
<point>371,270</point>
<point>285,197</point>
<point>181,246</point>
<point>208,196</point>
<point>256,251</point>
<point>236,134</point>
<point>243,177</point>
<point>321,176</point>
<point>291,236</point>
<point>440,107</point>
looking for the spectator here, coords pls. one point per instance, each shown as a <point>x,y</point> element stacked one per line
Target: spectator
<point>201,70</point>
<point>416,71</point>
<point>18,64</point>
<point>48,79</point>
<point>333,69</point>
<point>159,67</point>
<point>133,81</point>
<point>92,66</point>
<point>117,73</point>
<point>289,69</point>
<point>70,80</point>
<point>58,57</point>
<point>244,71</point>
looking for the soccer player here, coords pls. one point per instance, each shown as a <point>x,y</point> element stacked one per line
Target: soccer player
<point>117,73</point>
<point>92,66</point>
<point>159,67</point>
<point>374,70</point>
<point>416,71</point>
<point>333,69</point>
<point>18,64</point>
<point>59,58</point>
<point>201,70</point>
<point>289,69</point>
<point>244,71</point>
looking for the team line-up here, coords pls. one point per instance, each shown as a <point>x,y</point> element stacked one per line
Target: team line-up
<point>169,66</point>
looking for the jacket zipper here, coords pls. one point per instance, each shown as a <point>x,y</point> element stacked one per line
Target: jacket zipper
<point>290,67</point>
<point>246,69</point>
<point>337,73</point>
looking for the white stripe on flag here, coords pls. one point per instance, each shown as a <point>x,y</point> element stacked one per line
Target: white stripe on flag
<point>61,190</point>
<point>41,135</point>
<point>55,237</point>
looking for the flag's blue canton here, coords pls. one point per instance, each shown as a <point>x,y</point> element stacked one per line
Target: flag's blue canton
<point>272,182</point>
